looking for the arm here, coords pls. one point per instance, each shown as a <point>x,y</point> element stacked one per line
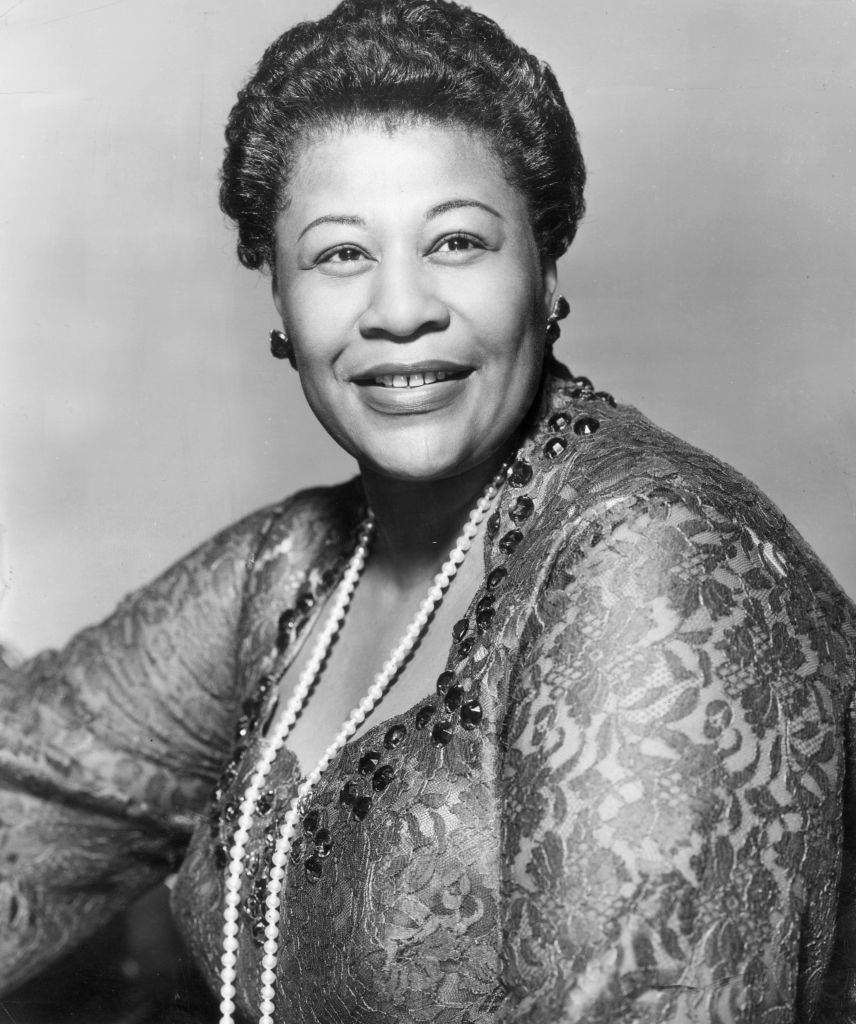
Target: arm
<point>108,751</point>
<point>673,779</point>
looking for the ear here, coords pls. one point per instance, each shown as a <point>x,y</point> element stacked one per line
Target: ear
<point>277,295</point>
<point>550,279</point>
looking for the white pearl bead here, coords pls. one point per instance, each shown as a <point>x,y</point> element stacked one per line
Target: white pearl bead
<point>272,746</point>
<point>227,991</point>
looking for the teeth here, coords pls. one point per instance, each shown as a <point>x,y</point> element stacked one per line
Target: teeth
<point>412,380</point>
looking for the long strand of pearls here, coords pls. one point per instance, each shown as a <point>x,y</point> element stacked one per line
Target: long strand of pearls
<point>390,670</point>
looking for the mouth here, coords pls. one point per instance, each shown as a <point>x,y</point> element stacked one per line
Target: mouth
<point>411,377</point>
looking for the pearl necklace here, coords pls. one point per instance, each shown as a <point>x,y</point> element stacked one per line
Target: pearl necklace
<point>270,749</point>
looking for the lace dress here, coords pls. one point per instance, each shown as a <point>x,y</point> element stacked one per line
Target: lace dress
<point>628,797</point>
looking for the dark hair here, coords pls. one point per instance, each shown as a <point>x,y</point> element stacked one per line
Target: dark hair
<point>400,61</point>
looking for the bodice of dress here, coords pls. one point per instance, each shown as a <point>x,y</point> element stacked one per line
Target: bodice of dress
<point>627,798</point>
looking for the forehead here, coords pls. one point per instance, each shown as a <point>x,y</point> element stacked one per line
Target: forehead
<point>372,169</point>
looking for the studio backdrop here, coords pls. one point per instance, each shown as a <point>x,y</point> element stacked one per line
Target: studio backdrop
<point>712,281</point>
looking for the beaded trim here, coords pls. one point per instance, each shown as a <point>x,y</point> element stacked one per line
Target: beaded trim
<point>453,700</point>
<point>272,746</point>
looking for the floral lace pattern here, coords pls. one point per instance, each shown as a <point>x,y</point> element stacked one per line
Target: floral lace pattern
<point>628,798</point>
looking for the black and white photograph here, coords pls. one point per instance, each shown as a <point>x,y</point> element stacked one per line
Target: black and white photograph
<point>427,512</point>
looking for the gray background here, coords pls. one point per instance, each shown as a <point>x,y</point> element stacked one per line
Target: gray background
<point>712,280</point>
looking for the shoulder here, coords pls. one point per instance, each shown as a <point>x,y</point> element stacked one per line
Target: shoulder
<point>299,522</point>
<point>674,497</point>
<point>660,555</point>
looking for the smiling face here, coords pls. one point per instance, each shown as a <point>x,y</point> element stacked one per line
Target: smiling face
<point>409,282</point>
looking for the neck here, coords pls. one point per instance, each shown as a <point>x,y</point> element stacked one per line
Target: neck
<point>417,522</point>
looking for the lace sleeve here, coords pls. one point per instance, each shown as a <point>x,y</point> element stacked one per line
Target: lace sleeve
<point>108,749</point>
<point>673,777</point>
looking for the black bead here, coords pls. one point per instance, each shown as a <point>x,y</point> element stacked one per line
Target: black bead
<point>221,857</point>
<point>252,906</point>
<point>522,508</point>
<point>394,735</point>
<point>263,687</point>
<point>520,473</point>
<point>465,646</point>
<point>328,578</point>
<point>323,843</point>
<point>265,802</point>
<point>424,716</point>
<point>581,385</point>
<point>444,681</point>
<point>368,762</point>
<point>460,629</point>
<point>553,331</point>
<point>559,421</point>
<point>311,820</point>
<point>305,604</point>
<point>493,525</point>
<point>314,867</point>
<point>442,733</point>
<point>259,890</point>
<point>484,602</point>
<point>243,727</point>
<point>287,621</point>
<point>259,936</point>
<point>605,396</point>
<point>348,794</point>
<point>484,619</point>
<point>555,447</point>
<point>471,714</point>
<point>230,812</point>
<point>382,778</point>
<point>585,426</point>
<point>495,577</point>
<point>251,705</point>
<point>361,807</point>
<point>510,541</point>
<point>253,863</point>
<point>271,834</point>
<point>561,307</point>
<point>454,697</point>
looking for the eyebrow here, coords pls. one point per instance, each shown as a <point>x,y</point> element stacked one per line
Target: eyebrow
<point>457,204</point>
<point>333,218</point>
<point>434,211</point>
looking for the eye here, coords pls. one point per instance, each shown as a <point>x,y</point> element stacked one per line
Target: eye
<point>458,243</point>
<point>342,260</point>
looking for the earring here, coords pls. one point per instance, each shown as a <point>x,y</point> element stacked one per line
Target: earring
<point>280,347</point>
<point>561,308</point>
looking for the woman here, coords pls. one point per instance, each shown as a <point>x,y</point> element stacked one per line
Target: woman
<point>543,716</point>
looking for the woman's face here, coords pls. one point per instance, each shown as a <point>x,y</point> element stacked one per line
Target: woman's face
<point>409,282</point>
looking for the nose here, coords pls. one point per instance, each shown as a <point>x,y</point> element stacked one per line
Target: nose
<point>403,302</point>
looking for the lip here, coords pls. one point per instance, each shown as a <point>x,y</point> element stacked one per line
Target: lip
<point>368,375</point>
<point>413,401</point>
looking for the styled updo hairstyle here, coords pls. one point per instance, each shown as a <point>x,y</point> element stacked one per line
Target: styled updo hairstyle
<point>399,62</point>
